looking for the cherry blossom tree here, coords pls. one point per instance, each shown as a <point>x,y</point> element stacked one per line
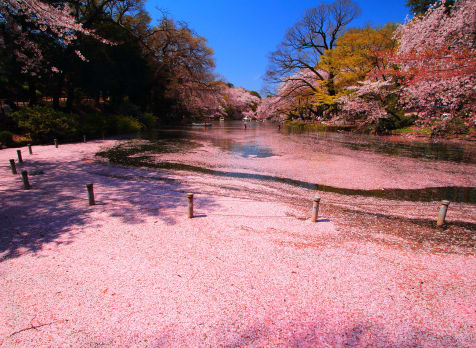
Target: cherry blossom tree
<point>367,101</point>
<point>436,61</point>
<point>271,107</point>
<point>26,18</point>
<point>240,102</point>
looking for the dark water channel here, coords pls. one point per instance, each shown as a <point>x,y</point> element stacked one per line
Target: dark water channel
<point>232,138</point>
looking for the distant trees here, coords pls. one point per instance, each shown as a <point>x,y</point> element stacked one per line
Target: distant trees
<point>182,69</point>
<point>294,66</point>
<point>104,56</point>
<point>375,76</point>
<point>308,39</point>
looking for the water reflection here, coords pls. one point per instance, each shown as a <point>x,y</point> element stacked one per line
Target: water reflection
<point>252,149</point>
<point>394,146</point>
<point>245,141</point>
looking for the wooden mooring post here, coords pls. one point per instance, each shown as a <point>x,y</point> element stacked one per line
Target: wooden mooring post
<point>26,183</point>
<point>29,149</point>
<point>13,166</point>
<point>91,194</point>
<point>190,205</point>
<point>442,214</point>
<point>20,159</point>
<point>56,143</point>
<point>315,208</point>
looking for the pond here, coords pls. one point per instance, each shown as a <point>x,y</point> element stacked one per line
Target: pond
<point>350,164</point>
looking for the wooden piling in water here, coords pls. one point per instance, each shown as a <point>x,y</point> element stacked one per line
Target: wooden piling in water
<point>26,183</point>
<point>442,214</point>
<point>91,194</point>
<point>190,205</point>
<point>29,149</point>
<point>56,143</point>
<point>13,166</point>
<point>315,208</point>
<point>84,138</point>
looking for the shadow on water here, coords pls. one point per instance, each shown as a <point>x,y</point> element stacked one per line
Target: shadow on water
<point>126,154</point>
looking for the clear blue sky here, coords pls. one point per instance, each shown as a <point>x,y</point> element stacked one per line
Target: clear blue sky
<point>243,32</point>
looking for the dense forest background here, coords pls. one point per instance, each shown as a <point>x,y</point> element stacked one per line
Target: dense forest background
<point>69,68</point>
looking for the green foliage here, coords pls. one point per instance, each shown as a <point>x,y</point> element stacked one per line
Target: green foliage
<point>122,124</point>
<point>129,109</point>
<point>43,123</point>
<point>412,130</point>
<point>396,119</point>
<point>256,94</point>
<point>148,120</point>
<point>229,111</point>
<point>419,7</point>
<point>454,126</point>
<point>301,126</point>
<point>6,138</point>
<point>94,124</point>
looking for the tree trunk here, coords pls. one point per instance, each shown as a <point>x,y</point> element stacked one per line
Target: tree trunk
<point>330,84</point>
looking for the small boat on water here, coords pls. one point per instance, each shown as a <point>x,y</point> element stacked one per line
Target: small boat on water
<point>222,119</point>
<point>204,124</point>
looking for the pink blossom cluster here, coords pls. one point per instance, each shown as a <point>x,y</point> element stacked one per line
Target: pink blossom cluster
<point>366,99</point>
<point>43,16</point>
<point>296,91</point>
<point>240,101</point>
<point>200,100</point>
<point>437,58</point>
<point>302,83</point>
<point>269,107</point>
<point>240,98</point>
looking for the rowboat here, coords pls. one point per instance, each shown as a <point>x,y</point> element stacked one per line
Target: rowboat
<point>204,124</point>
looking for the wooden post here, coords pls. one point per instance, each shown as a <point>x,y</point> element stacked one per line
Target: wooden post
<point>20,159</point>
<point>442,215</point>
<point>26,183</point>
<point>90,194</point>
<point>190,205</point>
<point>29,149</point>
<point>315,208</point>
<point>56,143</point>
<point>12,165</point>
<point>84,138</point>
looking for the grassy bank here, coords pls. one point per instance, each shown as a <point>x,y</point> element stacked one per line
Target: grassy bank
<point>302,126</point>
<point>413,131</point>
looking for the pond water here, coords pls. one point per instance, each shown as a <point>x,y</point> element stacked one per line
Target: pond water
<point>344,163</point>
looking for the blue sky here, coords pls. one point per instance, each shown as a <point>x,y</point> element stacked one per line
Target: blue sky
<point>243,32</point>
